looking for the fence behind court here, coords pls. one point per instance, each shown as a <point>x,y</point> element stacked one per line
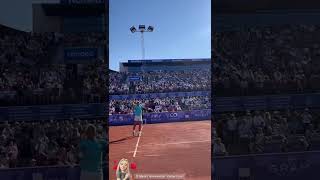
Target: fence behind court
<point>275,166</point>
<point>44,173</point>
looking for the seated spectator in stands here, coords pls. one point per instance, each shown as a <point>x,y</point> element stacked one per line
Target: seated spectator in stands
<point>219,148</point>
<point>310,132</point>
<point>304,144</point>
<point>284,144</point>
<point>4,162</point>
<point>294,123</point>
<point>62,157</point>
<point>214,134</point>
<point>284,126</point>
<point>268,130</point>
<point>258,120</point>
<point>12,151</point>
<point>267,118</point>
<point>52,152</point>
<point>259,141</point>
<point>232,127</point>
<point>7,132</point>
<point>244,128</point>
<point>71,156</point>
<point>306,119</point>
<point>41,155</point>
<point>276,130</point>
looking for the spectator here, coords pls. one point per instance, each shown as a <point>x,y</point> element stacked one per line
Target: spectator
<point>12,151</point>
<point>232,124</point>
<point>40,143</point>
<point>268,59</point>
<point>280,132</point>
<point>219,148</point>
<point>306,119</point>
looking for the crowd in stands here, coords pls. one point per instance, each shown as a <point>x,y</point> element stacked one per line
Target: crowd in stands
<point>267,60</point>
<point>160,81</point>
<point>259,132</point>
<point>21,48</point>
<point>51,84</point>
<point>45,143</point>
<point>255,61</point>
<point>158,105</point>
<point>95,83</point>
<point>27,77</point>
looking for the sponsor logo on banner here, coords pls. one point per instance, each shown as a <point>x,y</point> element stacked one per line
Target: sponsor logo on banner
<point>80,54</point>
<point>135,78</point>
<point>173,114</point>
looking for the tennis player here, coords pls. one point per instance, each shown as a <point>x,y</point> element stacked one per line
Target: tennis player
<point>137,118</point>
<point>91,155</point>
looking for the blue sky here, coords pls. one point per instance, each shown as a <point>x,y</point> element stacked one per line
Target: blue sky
<point>182,29</point>
<point>16,14</point>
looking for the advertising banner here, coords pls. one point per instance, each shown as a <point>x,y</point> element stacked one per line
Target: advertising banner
<point>45,173</point>
<point>80,55</point>
<point>150,118</point>
<point>280,166</point>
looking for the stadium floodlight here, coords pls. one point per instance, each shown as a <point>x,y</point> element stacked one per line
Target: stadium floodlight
<point>133,29</point>
<point>150,29</point>
<point>142,29</point>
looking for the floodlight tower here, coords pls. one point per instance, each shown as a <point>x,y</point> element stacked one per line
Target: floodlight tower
<point>142,29</point>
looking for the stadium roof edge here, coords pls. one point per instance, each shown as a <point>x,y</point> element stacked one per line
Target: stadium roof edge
<point>166,60</point>
<point>11,28</point>
<point>46,2</point>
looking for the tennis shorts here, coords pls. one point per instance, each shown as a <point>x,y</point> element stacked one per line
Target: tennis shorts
<point>138,118</point>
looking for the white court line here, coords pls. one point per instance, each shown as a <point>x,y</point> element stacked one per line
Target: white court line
<point>130,152</point>
<point>152,155</point>
<point>135,151</point>
<point>185,142</point>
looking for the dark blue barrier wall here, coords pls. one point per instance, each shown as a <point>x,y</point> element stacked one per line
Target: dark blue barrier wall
<point>125,119</point>
<point>52,173</point>
<point>284,166</point>
<point>272,102</point>
<point>44,173</point>
<point>35,113</point>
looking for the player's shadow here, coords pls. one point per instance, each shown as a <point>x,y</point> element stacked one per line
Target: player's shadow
<point>121,140</point>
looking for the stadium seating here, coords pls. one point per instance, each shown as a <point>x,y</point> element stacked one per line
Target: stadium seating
<point>266,60</point>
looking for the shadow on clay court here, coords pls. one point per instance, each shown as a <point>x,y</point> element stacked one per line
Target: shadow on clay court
<point>121,140</point>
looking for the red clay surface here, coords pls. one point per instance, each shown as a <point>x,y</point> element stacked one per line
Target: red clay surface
<point>166,148</point>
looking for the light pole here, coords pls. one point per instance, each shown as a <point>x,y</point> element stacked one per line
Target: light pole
<point>142,29</point>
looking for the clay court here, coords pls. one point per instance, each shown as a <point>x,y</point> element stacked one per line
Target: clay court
<point>165,148</point>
